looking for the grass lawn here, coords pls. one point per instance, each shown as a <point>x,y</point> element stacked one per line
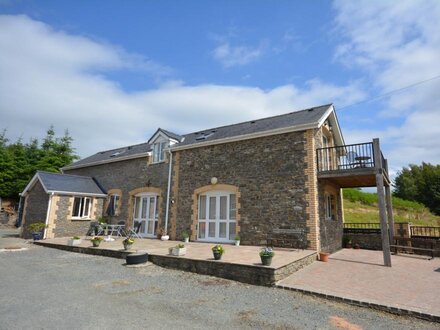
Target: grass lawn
<point>362,207</point>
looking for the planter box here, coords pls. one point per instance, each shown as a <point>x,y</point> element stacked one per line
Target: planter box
<point>73,242</point>
<point>178,252</point>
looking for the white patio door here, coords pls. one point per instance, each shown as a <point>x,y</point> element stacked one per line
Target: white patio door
<point>217,217</point>
<point>146,212</point>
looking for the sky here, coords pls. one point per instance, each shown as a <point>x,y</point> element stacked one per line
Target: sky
<point>112,72</point>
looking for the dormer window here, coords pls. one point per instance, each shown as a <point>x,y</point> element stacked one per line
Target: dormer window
<point>159,152</point>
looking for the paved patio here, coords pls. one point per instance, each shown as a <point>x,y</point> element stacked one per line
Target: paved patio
<point>411,284</point>
<point>240,263</point>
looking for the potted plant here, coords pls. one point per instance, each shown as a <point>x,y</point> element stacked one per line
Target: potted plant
<point>128,242</point>
<point>218,251</point>
<point>323,256</point>
<point>185,236</point>
<point>346,240</point>
<point>75,240</point>
<point>237,240</point>
<point>266,255</point>
<point>37,229</point>
<point>96,241</point>
<point>179,250</point>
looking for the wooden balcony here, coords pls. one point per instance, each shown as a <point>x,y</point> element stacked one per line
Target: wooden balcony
<point>354,165</point>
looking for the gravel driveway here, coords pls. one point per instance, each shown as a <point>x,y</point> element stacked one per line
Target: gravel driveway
<point>44,288</point>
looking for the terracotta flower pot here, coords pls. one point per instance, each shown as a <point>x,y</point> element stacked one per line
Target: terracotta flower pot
<point>323,256</point>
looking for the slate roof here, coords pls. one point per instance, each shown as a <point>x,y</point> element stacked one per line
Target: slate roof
<point>292,119</point>
<point>172,135</point>
<point>69,183</point>
<point>297,118</point>
<point>114,154</point>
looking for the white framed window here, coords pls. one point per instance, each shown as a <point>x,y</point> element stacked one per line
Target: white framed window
<point>217,216</point>
<point>146,211</point>
<point>328,207</point>
<point>159,152</point>
<point>81,208</point>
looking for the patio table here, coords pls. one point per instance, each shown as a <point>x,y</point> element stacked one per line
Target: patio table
<point>110,229</point>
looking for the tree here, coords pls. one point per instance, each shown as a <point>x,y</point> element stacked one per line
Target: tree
<point>19,162</point>
<point>420,183</point>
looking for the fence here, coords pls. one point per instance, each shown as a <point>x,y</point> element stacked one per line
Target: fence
<point>425,232</point>
<point>362,228</point>
<point>367,235</point>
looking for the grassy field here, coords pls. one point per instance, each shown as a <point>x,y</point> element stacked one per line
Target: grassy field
<point>362,207</point>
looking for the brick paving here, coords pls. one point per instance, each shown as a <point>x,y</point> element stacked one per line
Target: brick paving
<point>411,284</point>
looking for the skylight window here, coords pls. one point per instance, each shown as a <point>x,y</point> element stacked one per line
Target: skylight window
<point>117,153</point>
<point>204,136</point>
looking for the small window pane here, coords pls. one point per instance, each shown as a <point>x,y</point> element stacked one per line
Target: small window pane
<point>162,151</point>
<point>151,209</point>
<point>76,206</point>
<point>222,229</point>
<point>232,231</point>
<point>211,229</point>
<point>232,206</point>
<point>150,227</point>
<point>142,230</point>
<point>212,207</point>
<point>202,228</point>
<point>223,205</point>
<point>156,212</point>
<point>144,208</point>
<point>86,207</point>
<point>116,203</point>
<point>137,206</point>
<point>202,207</point>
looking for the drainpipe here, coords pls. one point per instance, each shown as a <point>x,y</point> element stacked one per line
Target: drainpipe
<point>47,214</point>
<point>168,191</point>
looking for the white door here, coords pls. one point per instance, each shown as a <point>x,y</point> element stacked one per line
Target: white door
<point>217,217</point>
<point>146,212</point>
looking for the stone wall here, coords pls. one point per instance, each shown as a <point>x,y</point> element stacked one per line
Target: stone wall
<point>331,231</point>
<point>269,174</point>
<point>127,176</point>
<point>35,208</point>
<point>65,226</point>
<point>366,241</point>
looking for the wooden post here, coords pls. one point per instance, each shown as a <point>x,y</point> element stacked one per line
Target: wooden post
<point>389,207</point>
<point>381,203</point>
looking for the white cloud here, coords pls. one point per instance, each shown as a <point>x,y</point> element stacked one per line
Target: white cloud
<point>398,44</point>
<point>230,56</point>
<point>50,77</point>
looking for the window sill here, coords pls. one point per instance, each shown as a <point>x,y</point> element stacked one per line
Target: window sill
<point>159,162</point>
<point>80,219</point>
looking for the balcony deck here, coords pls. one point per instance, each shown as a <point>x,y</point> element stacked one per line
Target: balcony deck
<point>354,165</point>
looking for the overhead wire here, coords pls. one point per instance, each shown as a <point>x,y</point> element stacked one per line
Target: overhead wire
<point>390,92</point>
